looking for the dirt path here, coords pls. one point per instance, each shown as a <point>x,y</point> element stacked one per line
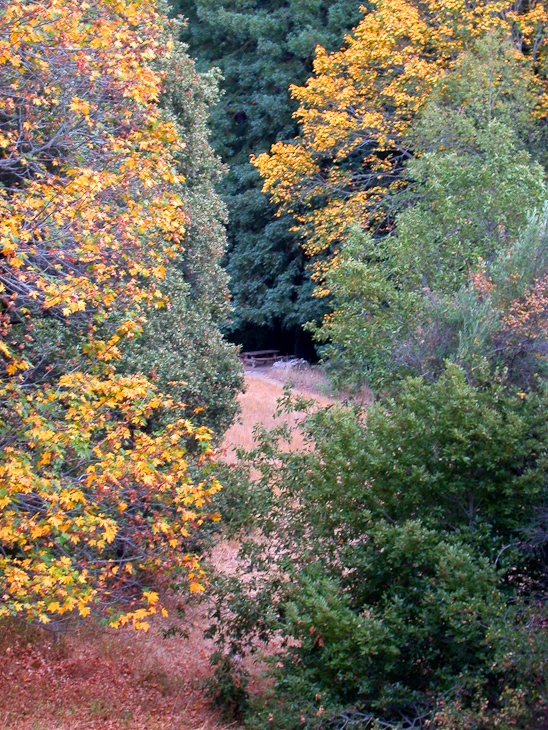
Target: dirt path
<point>103,680</point>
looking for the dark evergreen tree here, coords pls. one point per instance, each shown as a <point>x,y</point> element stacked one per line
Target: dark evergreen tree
<point>261,47</point>
<point>182,346</point>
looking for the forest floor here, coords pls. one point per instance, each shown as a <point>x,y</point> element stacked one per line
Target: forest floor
<point>99,679</point>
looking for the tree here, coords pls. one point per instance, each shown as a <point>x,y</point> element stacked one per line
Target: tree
<point>407,302</point>
<point>96,501</point>
<point>357,111</point>
<point>260,48</point>
<point>182,348</point>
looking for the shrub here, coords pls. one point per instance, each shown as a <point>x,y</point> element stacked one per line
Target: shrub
<point>386,556</point>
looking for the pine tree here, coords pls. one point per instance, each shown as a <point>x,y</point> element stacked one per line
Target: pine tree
<point>261,48</point>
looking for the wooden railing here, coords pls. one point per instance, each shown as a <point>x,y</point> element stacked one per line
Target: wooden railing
<point>260,357</point>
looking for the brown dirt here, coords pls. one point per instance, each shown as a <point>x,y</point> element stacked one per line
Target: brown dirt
<point>98,679</point>
<point>105,681</point>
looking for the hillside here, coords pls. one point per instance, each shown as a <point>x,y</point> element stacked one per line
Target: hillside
<point>97,679</point>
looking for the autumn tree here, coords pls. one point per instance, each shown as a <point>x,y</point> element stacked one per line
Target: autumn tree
<point>96,499</point>
<point>356,112</point>
<point>407,301</point>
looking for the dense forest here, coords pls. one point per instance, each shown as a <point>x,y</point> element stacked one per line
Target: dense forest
<point>261,49</point>
<point>366,185</point>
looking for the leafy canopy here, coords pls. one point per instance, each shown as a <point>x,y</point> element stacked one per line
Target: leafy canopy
<point>358,110</point>
<point>94,502</point>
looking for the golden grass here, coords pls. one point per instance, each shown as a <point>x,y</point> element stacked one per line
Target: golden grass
<point>312,379</point>
<point>259,403</point>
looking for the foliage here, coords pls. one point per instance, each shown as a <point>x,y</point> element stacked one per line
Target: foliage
<point>499,315</point>
<point>395,568</point>
<point>260,49</point>
<point>407,302</point>
<point>181,347</point>
<point>386,562</point>
<point>228,686</point>
<point>95,499</point>
<point>358,111</point>
<point>185,355</point>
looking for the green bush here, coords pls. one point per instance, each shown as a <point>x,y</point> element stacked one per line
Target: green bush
<point>182,347</point>
<point>388,558</point>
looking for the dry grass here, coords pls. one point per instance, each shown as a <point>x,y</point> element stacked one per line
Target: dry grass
<point>312,380</point>
<point>259,403</point>
<point>96,679</point>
